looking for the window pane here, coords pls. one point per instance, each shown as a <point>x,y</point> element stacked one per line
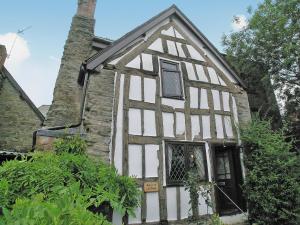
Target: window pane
<point>176,162</point>
<point>169,66</point>
<point>171,84</point>
<point>198,160</point>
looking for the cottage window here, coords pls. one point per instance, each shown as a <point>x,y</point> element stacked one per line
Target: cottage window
<point>171,80</point>
<point>183,157</point>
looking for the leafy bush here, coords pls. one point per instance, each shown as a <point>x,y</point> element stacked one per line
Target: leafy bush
<point>47,173</point>
<point>272,183</point>
<point>70,144</point>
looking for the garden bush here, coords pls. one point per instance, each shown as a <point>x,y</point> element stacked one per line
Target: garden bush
<point>272,186</point>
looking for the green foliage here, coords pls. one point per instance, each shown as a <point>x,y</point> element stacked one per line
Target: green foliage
<point>215,220</point>
<point>69,208</point>
<point>49,175</point>
<point>272,185</point>
<point>70,144</point>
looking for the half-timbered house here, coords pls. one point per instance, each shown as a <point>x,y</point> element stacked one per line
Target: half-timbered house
<point>155,103</point>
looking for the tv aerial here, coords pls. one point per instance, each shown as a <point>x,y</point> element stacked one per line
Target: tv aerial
<point>20,31</point>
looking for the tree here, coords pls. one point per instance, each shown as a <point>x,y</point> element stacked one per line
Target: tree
<point>272,41</point>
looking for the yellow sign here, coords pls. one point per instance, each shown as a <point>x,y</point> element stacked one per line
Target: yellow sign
<point>151,187</point>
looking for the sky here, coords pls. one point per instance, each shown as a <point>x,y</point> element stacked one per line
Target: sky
<point>35,58</point>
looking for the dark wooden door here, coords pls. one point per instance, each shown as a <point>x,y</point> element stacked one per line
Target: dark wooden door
<point>227,171</point>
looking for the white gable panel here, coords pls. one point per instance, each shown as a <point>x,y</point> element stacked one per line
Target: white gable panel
<point>171,203</point>
<point>225,97</point>
<point>184,203</point>
<point>219,126</point>
<point>180,123</point>
<point>171,48</point>
<point>204,100</point>
<point>228,126</point>
<point>195,126</point>
<point>135,63</point>
<point>180,50</point>
<point>169,32</point>
<point>206,127</point>
<point>156,46</point>
<point>147,62</point>
<point>149,90</point>
<point>213,75</point>
<point>222,82</point>
<point>135,161</point>
<point>207,52</point>
<point>190,71</point>
<point>178,35</point>
<point>216,99</point>
<point>168,124</point>
<point>194,53</point>
<point>175,103</point>
<point>152,207</point>
<point>201,73</point>
<point>135,90</point>
<point>149,123</point>
<point>151,160</point>
<point>194,97</point>
<point>135,122</point>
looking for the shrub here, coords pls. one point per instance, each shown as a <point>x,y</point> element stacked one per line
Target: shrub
<point>272,186</point>
<point>70,144</point>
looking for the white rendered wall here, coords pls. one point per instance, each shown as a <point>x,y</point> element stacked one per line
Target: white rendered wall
<point>118,156</point>
<point>180,50</point>
<point>219,126</point>
<point>180,123</point>
<point>135,90</point>
<point>152,207</point>
<point>134,121</point>
<point>169,32</point>
<point>149,123</point>
<point>195,126</point>
<point>135,161</point>
<point>228,126</point>
<point>173,103</point>
<point>156,45</point>
<point>225,96</point>
<point>184,203</point>
<point>151,160</point>
<point>201,73</point>
<point>149,90</point>
<point>168,124</point>
<point>171,203</point>
<point>203,99</point>
<point>216,99</point>
<point>221,81</point>
<point>203,208</point>
<point>117,218</point>
<point>206,126</point>
<point>194,102</point>
<point>213,75</point>
<point>135,63</point>
<point>147,62</point>
<point>190,71</point>
<point>194,53</point>
<point>178,35</point>
<point>137,218</point>
<point>171,47</point>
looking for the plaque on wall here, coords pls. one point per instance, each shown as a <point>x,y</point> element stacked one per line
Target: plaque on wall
<point>151,187</point>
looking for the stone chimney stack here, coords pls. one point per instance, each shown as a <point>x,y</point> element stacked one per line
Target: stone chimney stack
<point>65,108</point>
<point>3,55</point>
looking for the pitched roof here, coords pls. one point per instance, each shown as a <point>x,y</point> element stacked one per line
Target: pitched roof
<point>122,42</point>
<point>22,93</point>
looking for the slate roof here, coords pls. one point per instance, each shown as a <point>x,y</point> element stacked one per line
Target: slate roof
<point>122,42</point>
<point>22,93</point>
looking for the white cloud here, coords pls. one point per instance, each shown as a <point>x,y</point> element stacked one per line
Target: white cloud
<point>19,53</point>
<point>239,22</point>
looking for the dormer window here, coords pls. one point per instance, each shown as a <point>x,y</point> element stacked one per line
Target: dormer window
<point>171,80</point>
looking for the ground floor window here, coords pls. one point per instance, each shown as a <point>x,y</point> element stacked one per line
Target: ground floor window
<point>181,157</point>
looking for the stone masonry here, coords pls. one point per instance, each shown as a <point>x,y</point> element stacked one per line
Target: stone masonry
<point>66,106</point>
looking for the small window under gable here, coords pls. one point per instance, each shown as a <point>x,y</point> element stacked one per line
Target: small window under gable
<point>171,80</point>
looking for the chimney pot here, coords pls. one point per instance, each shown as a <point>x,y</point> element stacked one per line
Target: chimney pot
<point>86,8</point>
<point>3,55</point>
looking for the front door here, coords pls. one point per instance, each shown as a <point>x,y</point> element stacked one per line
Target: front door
<point>228,179</point>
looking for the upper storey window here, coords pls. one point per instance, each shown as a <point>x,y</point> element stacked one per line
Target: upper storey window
<point>171,80</point>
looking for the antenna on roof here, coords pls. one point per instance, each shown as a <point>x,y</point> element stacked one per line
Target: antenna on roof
<point>20,31</point>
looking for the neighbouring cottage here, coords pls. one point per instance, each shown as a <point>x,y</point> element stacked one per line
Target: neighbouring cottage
<point>154,103</point>
<point>19,117</point>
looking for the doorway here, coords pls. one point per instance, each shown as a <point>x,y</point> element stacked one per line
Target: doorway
<point>228,177</point>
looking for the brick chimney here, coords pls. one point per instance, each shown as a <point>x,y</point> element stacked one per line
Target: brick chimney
<point>65,108</point>
<point>3,55</point>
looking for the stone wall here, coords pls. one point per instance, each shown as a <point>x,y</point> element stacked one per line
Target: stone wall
<point>18,120</point>
<point>243,107</point>
<point>98,113</point>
